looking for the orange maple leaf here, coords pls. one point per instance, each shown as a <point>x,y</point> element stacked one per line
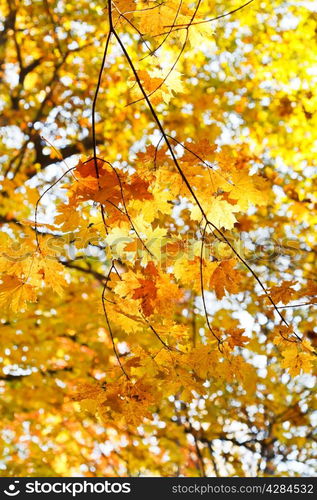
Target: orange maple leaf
<point>225,277</point>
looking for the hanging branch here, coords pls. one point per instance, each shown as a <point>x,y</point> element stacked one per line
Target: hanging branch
<point>202,284</point>
<point>103,300</point>
<point>125,207</point>
<point>38,203</point>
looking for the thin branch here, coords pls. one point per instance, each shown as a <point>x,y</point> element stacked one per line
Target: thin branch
<point>185,26</point>
<point>125,208</point>
<point>202,284</point>
<point>298,305</point>
<point>100,277</point>
<point>155,333</point>
<point>103,300</point>
<point>38,202</point>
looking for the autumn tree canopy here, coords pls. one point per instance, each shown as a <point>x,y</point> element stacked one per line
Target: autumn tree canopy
<point>158,248</point>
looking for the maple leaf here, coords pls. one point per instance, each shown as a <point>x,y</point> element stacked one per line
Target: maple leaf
<point>137,189</point>
<point>127,401</point>
<point>297,361</point>
<point>68,217</point>
<point>235,368</point>
<point>159,85</point>
<point>285,333</point>
<point>14,293</point>
<point>51,272</point>
<point>150,159</point>
<point>168,294</point>
<point>188,271</point>
<point>89,168</point>
<point>150,24</point>
<point>203,148</point>
<point>88,391</point>
<point>236,337</point>
<point>225,277</point>
<point>123,8</point>
<point>118,238</point>
<point>147,292</point>
<point>248,190</point>
<point>219,212</point>
<point>203,360</point>
<point>283,292</point>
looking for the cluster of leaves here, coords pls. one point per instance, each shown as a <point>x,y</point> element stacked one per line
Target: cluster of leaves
<point>178,242</point>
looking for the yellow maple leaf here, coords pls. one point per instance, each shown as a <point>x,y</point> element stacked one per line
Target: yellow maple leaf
<point>219,212</point>
<point>203,359</point>
<point>50,271</point>
<point>68,217</point>
<point>118,238</point>
<point>296,361</point>
<point>123,8</point>
<point>188,271</point>
<point>156,21</point>
<point>15,293</point>
<point>248,190</point>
